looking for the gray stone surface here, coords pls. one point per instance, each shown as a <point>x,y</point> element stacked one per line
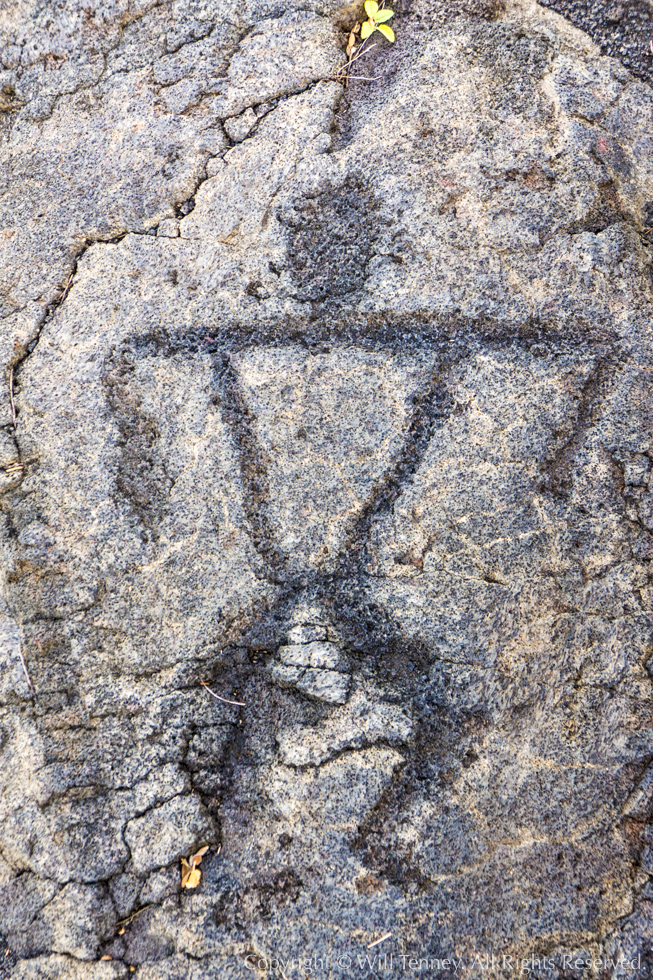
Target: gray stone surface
<point>80,917</point>
<point>622,30</point>
<point>335,401</point>
<point>165,833</point>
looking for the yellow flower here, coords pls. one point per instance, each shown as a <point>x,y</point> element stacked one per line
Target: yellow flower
<point>376,21</point>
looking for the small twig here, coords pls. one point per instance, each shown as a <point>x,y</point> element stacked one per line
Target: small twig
<point>363,50</point>
<point>351,48</point>
<point>241,704</point>
<point>67,288</point>
<point>130,918</point>
<point>353,58</point>
<point>381,940</point>
<point>368,78</point>
<point>25,670</point>
<point>11,396</point>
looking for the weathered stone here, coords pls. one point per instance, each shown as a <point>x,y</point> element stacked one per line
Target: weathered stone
<point>363,721</point>
<point>327,685</point>
<point>351,423</point>
<point>314,654</point>
<point>13,679</point>
<point>238,127</point>
<point>168,228</point>
<point>21,901</point>
<point>68,968</point>
<point>306,633</point>
<point>80,917</point>
<point>160,885</point>
<point>167,832</point>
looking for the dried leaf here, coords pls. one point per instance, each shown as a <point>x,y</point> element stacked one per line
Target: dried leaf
<point>190,877</point>
<point>106,957</point>
<point>197,856</point>
<point>185,872</point>
<point>190,873</point>
<point>194,878</point>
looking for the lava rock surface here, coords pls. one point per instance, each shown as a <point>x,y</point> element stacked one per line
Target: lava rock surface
<point>327,493</point>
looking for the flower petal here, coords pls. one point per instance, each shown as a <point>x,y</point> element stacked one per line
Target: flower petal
<point>386,31</point>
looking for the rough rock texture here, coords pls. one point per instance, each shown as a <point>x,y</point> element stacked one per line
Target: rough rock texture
<point>622,29</point>
<point>338,401</point>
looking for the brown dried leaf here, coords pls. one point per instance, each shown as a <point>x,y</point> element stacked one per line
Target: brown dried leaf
<point>185,872</point>
<point>190,873</point>
<point>197,856</point>
<point>193,879</point>
<point>351,42</point>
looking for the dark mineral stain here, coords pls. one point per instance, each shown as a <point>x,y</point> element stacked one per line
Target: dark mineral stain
<point>331,241</point>
<point>622,28</point>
